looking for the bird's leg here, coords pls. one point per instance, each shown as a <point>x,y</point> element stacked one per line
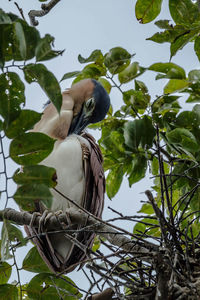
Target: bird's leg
<point>33,217</point>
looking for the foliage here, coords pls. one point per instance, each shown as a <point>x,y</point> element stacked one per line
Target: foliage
<point>144,134</point>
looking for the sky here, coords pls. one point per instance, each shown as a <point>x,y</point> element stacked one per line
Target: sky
<point>81,26</point>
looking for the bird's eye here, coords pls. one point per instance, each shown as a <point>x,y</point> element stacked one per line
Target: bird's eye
<point>90,103</point>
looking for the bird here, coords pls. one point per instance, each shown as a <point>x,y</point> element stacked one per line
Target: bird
<point>78,162</point>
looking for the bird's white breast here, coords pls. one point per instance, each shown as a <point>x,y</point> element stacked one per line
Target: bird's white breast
<point>66,158</point>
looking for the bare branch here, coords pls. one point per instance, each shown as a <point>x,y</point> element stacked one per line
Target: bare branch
<point>115,237</point>
<point>45,9</point>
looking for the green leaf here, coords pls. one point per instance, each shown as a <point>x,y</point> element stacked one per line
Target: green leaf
<point>117,59</point>
<point>106,84</point>
<point>4,18</point>
<point>165,104</point>
<point>25,121</point>
<point>162,37</point>
<point>175,85</point>
<point>184,11</point>
<point>70,75</point>
<point>194,76</point>
<point>182,40</point>
<point>20,39</point>
<point>183,138</point>
<point>5,243</point>
<point>28,195</point>
<point>36,174</point>
<point>163,24</point>
<point>187,119</point>
<point>136,99</point>
<point>5,272</point>
<point>47,81</point>
<point>131,72</point>
<point>139,132</point>
<point>170,70</point>
<point>197,46</point>
<point>95,56</point>
<point>33,262</point>
<point>114,180</point>
<point>138,170</point>
<point>146,209</point>
<point>10,233</point>
<point>147,10</point>
<point>8,291</point>
<point>31,148</point>
<point>93,71</point>
<point>147,226</point>
<point>11,95</point>
<point>47,286</point>
<point>44,50</point>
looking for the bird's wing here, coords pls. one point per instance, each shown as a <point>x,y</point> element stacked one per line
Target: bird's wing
<point>93,201</point>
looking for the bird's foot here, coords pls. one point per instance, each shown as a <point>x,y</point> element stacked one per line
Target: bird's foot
<point>33,217</point>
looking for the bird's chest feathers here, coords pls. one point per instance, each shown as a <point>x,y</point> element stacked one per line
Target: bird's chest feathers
<point>67,159</point>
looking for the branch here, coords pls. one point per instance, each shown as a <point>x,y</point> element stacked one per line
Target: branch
<point>45,9</point>
<point>79,217</point>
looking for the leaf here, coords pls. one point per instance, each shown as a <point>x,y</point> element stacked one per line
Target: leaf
<point>11,95</point>
<point>36,174</point>
<point>136,99</point>
<point>182,40</point>
<point>175,85</point>
<point>31,148</point>
<point>70,75</point>
<point>147,10</point>
<point>47,81</point>
<point>170,70</point>
<point>114,180</point>
<point>33,262</point>
<point>10,233</point>
<point>117,59</point>
<point>93,71</point>
<point>131,72</point>
<point>47,286</point>
<point>106,84</point>
<point>8,291</point>
<point>184,11</point>
<point>25,121</point>
<point>5,272</point>
<point>138,170</point>
<point>139,132</point>
<point>194,76</point>
<point>197,46</point>
<point>146,209</point>
<point>28,195</point>
<point>184,138</point>
<point>20,38</point>
<point>163,24</point>
<point>44,50</point>
<point>96,55</point>
<point>4,18</point>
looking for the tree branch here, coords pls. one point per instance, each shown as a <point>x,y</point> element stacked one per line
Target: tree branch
<point>45,9</point>
<point>77,216</point>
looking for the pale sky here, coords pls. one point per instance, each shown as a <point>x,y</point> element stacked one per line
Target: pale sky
<point>81,26</point>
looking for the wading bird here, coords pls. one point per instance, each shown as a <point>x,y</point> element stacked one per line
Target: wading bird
<point>78,163</point>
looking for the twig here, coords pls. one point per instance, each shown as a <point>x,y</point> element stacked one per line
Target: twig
<point>45,9</point>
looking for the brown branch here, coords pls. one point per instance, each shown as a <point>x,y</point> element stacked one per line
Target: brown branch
<point>45,9</point>
<point>77,216</point>
<point>105,295</point>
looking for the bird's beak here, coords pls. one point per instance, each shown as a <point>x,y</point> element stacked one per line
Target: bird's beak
<point>81,120</point>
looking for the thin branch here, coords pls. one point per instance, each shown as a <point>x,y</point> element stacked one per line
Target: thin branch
<point>45,9</point>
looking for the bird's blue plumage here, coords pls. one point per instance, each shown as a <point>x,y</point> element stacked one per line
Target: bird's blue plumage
<point>102,100</point>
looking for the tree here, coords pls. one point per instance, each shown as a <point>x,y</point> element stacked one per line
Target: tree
<point>160,259</point>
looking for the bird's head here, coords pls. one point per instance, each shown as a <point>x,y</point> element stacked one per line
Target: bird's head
<point>91,104</point>
<point>84,103</point>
